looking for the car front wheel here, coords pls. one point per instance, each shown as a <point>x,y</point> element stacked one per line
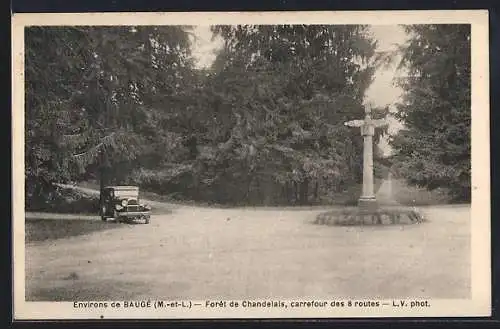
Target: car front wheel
<point>115,216</point>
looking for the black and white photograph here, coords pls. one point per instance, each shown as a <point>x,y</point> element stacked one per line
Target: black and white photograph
<point>197,165</point>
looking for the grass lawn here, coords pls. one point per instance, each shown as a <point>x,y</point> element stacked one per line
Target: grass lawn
<point>208,253</point>
<point>42,229</point>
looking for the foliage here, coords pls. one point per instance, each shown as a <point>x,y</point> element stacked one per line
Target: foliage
<point>263,125</point>
<point>280,95</point>
<point>65,200</point>
<point>95,97</point>
<point>433,150</point>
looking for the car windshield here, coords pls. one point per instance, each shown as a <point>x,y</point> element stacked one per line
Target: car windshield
<point>129,194</point>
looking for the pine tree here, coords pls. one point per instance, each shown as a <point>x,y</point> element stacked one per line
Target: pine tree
<point>281,96</point>
<point>95,98</point>
<point>433,150</point>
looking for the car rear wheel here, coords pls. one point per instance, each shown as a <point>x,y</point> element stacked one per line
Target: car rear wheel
<point>103,213</point>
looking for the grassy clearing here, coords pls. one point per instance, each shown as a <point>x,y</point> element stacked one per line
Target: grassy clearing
<point>410,195</point>
<point>206,253</point>
<point>42,229</point>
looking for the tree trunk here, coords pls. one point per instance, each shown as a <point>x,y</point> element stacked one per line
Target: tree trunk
<point>101,184</point>
<point>296,191</point>
<point>288,193</point>
<point>304,191</point>
<point>103,175</point>
<point>316,189</point>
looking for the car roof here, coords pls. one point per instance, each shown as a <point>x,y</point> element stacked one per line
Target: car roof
<point>122,187</point>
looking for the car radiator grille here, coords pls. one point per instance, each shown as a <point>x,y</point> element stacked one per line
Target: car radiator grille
<point>133,208</point>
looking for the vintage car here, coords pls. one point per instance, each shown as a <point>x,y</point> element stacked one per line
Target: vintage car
<point>122,202</point>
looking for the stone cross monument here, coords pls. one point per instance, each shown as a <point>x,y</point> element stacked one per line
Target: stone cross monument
<point>367,199</point>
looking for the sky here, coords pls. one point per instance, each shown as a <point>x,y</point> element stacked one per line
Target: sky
<point>204,47</point>
<point>382,91</point>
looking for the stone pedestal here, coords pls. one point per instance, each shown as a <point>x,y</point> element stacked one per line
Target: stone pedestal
<point>368,204</point>
<point>381,216</point>
<point>368,211</point>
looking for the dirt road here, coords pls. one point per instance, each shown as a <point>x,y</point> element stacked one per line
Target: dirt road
<point>200,253</point>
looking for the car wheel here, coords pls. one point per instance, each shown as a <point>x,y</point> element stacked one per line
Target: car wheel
<point>147,220</point>
<point>115,216</point>
<point>103,213</point>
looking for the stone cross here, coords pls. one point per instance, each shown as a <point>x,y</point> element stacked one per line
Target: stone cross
<point>368,125</point>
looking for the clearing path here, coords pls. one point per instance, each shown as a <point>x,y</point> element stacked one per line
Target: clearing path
<point>201,253</point>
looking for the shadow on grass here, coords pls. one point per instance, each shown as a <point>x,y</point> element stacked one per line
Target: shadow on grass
<point>42,229</point>
<point>83,290</point>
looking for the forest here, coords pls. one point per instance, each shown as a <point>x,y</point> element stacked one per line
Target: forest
<point>263,125</point>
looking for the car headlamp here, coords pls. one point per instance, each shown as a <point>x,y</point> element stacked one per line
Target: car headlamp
<point>124,202</point>
<point>118,207</point>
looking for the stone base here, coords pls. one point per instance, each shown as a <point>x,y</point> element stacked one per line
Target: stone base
<point>369,204</point>
<point>365,216</point>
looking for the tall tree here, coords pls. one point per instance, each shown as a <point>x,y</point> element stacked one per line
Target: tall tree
<point>282,94</point>
<point>96,96</point>
<point>433,150</point>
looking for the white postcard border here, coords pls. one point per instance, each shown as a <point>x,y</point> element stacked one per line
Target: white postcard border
<point>478,305</point>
